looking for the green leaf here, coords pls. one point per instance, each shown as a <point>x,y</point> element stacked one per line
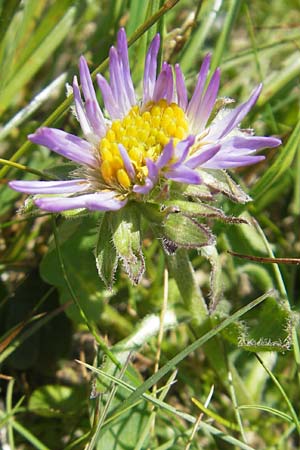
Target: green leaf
<point>124,432</point>
<point>201,210</point>
<point>53,400</point>
<point>126,236</point>
<point>268,329</point>
<point>180,230</point>
<point>220,181</point>
<point>195,190</point>
<point>105,253</point>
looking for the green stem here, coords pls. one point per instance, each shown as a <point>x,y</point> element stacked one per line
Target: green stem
<point>182,271</point>
<point>10,163</point>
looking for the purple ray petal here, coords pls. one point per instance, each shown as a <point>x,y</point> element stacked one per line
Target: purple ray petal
<point>206,105</point>
<point>222,127</point>
<point>150,180</point>
<point>153,169</point>
<point>117,82</point>
<point>49,187</point>
<point>122,49</point>
<point>182,150</point>
<point>94,112</point>
<point>202,156</point>
<point>127,162</point>
<point>99,201</point>
<point>99,128</point>
<point>184,174</point>
<point>170,84</point>
<point>80,110</point>
<point>225,162</point>
<point>166,155</point>
<point>65,144</point>
<point>182,96</point>
<point>164,84</point>
<point>143,188</point>
<point>252,143</point>
<point>198,92</point>
<point>111,106</point>
<point>150,69</point>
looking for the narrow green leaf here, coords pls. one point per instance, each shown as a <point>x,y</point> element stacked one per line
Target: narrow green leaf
<point>270,410</point>
<point>281,80</point>
<point>153,379</point>
<point>283,393</point>
<point>7,11</point>
<point>194,45</point>
<point>227,27</point>
<point>37,444</point>
<point>50,43</point>
<point>165,406</point>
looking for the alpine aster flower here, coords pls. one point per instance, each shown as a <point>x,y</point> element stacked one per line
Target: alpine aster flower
<point>136,145</point>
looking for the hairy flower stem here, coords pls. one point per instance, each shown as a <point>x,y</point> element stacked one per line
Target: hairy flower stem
<point>182,271</point>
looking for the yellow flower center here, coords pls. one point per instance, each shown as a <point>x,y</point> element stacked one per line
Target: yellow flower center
<point>144,135</point>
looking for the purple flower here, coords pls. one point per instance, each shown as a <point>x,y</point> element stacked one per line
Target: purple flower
<point>135,145</point>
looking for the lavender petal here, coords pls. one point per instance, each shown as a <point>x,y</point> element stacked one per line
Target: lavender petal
<point>166,155</point>
<point>122,49</point>
<point>111,105</point>
<point>202,156</point>
<point>184,174</point>
<point>150,69</point>
<point>100,201</point>
<point>80,110</point>
<point>143,188</point>
<point>65,144</point>
<point>251,143</point>
<point>226,162</point>
<point>221,128</point>
<point>117,82</point>
<point>127,162</point>
<point>182,96</point>
<point>94,112</point>
<point>153,169</point>
<point>206,105</point>
<point>182,149</point>
<point>49,187</point>
<point>198,92</point>
<point>164,84</point>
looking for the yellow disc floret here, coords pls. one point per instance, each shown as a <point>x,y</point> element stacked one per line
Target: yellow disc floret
<point>144,135</point>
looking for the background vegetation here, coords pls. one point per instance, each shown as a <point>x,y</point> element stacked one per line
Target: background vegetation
<point>49,400</point>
